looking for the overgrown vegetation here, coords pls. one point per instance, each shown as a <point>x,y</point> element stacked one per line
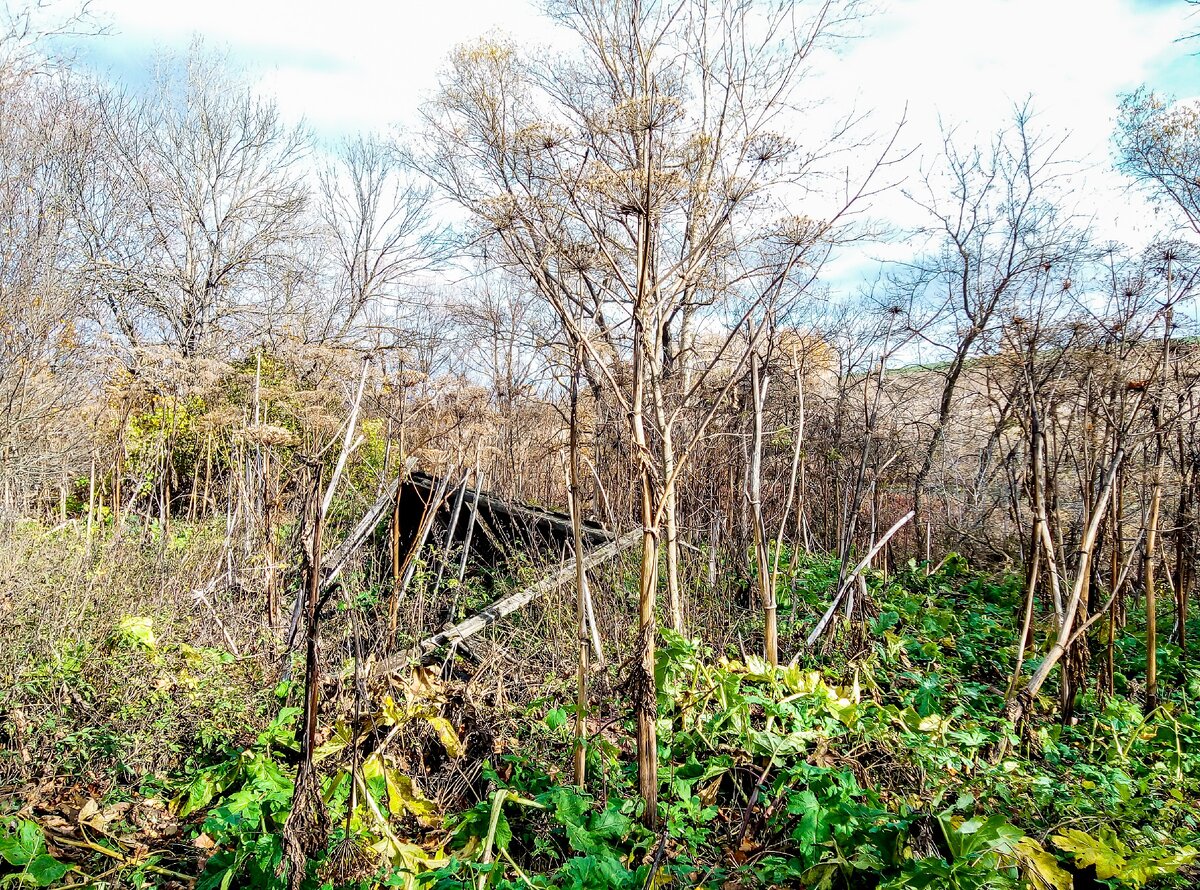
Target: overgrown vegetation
<point>167,762</point>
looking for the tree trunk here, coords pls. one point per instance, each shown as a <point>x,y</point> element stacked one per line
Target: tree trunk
<point>671,534</point>
<point>1018,708</point>
<point>766,587</point>
<point>642,684</point>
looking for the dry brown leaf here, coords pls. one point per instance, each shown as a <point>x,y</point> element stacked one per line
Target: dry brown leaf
<point>708,794</point>
<point>89,809</point>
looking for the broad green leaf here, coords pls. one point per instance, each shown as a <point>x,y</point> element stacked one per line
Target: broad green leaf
<point>1141,869</point>
<point>24,846</point>
<point>569,806</point>
<point>45,870</point>
<point>503,836</point>
<point>197,795</point>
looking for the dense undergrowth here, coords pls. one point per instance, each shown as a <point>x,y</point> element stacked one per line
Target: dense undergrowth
<point>133,757</point>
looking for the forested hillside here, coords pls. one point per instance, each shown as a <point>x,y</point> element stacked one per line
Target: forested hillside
<point>521,499</point>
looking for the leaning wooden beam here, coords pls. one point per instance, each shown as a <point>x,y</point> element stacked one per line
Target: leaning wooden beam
<point>341,554</point>
<point>505,606</point>
<point>370,521</point>
<point>337,560</point>
<point>866,560</point>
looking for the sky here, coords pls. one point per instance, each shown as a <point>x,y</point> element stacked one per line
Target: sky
<point>354,66</point>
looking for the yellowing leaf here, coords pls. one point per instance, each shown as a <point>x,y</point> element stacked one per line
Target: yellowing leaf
<point>408,858</point>
<point>662,878</point>
<point>138,631</point>
<point>933,723</point>
<point>801,682</point>
<point>446,735</point>
<point>1040,868</point>
<point>1107,852</point>
<point>391,712</point>
<point>842,709</point>
<point>404,795</point>
<point>757,668</point>
<point>338,740</point>
<point>193,656</point>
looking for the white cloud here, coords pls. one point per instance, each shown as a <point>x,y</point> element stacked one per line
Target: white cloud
<point>966,60</point>
<point>967,63</point>
<point>342,66</point>
<point>366,65</point>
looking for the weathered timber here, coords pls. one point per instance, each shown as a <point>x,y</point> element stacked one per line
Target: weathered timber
<point>370,520</point>
<point>866,560</point>
<point>504,606</point>
<point>337,560</point>
<point>532,526</point>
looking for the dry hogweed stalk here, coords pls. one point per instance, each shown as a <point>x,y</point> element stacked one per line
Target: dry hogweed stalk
<point>307,828</point>
<point>351,859</point>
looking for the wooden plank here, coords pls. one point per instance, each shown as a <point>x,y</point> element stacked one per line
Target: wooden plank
<point>505,606</point>
<point>341,554</point>
<point>527,516</point>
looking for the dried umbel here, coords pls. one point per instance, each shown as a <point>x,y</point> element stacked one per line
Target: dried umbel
<point>219,419</point>
<point>647,112</point>
<point>351,860</point>
<point>307,828</point>
<point>501,211</point>
<point>625,187</point>
<point>801,231</point>
<point>580,256</point>
<point>538,137</point>
<point>769,148</point>
<point>269,434</point>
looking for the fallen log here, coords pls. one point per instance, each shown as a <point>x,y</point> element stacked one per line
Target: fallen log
<point>503,606</point>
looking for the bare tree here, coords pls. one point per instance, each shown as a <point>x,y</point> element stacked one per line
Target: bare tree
<point>377,222</point>
<point>1000,230</point>
<point>1158,145</point>
<point>207,191</point>
<point>25,27</point>
<point>629,180</point>
<point>45,363</point>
